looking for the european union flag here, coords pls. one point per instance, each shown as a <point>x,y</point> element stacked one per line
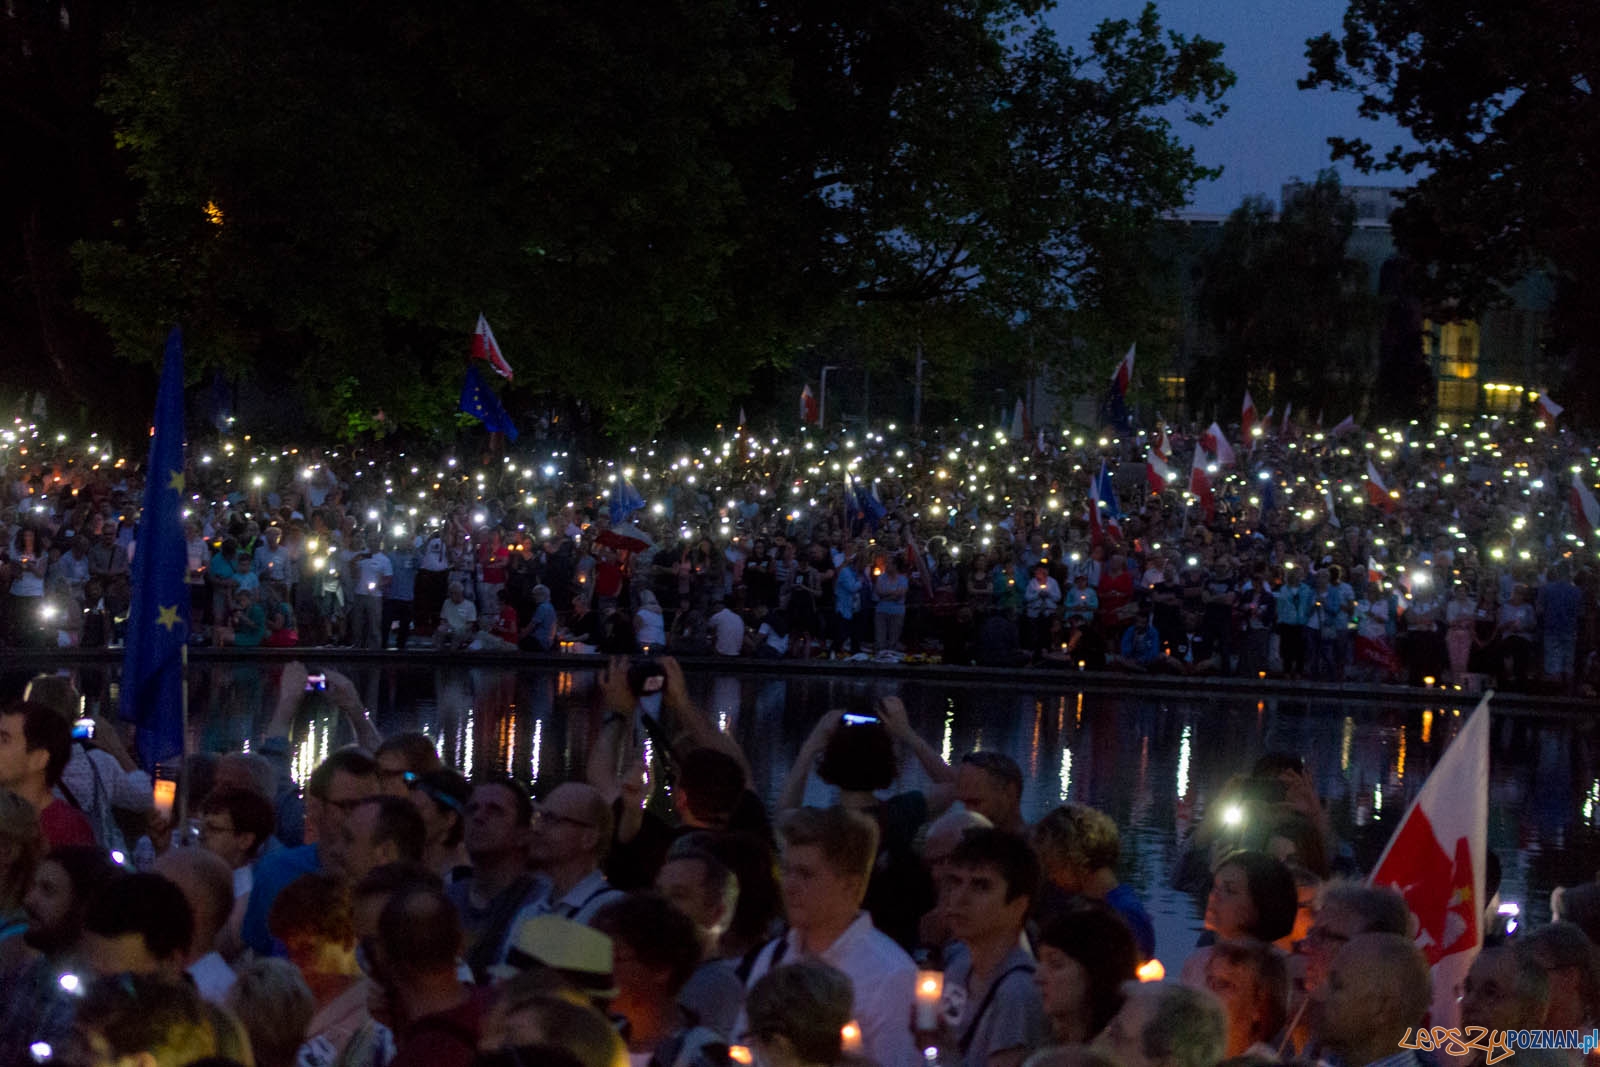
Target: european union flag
<point>1108,492</point>
<point>625,501</point>
<point>158,619</point>
<point>480,402</point>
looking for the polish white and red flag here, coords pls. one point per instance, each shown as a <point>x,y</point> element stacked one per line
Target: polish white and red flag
<point>808,405</point>
<point>1585,512</point>
<point>1216,442</point>
<point>1549,410</point>
<point>1436,861</point>
<point>1200,484</point>
<point>1156,471</point>
<point>1247,419</point>
<point>485,347</point>
<point>1377,492</point>
<point>1164,444</point>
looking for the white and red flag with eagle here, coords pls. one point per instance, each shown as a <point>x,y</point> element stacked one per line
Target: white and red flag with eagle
<point>485,347</point>
<point>1436,861</point>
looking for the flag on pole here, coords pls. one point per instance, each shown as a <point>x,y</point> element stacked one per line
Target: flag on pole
<point>808,405</point>
<point>479,401</point>
<point>1248,420</point>
<point>625,500</point>
<point>1106,494</point>
<point>1115,409</point>
<point>1436,861</point>
<point>1200,484</point>
<point>1585,512</point>
<point>1158,473</point>
<point>1216,442</point>
<point>485,347</point>
<point>1374,571</point>
<point>158,617</point>
<point>1377,492</point>
<point>1164,444</point>
<point>1333,516</point>
<point>1287,430</point>
<point>1019,421</point>
<point>1102,522</point>
<point>1549,410</point>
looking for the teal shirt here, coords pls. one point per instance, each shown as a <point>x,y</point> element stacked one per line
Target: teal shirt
<point>1295,603</point>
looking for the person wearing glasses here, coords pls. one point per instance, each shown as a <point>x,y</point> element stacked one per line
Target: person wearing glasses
<point>570,834</point>
<point>1345,911</point>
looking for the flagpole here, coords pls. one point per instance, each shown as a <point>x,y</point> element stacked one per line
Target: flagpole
<point>182,821</point>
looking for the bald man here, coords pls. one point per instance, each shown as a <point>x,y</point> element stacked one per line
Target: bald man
<point>1507,989</point>
<point>568,840</point>
<point>1377,988</point>
<point>206,881</point>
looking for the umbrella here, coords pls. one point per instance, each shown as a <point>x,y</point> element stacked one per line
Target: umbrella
<point>625,535</point>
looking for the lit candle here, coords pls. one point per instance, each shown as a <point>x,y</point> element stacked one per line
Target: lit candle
<point>850,1037</point>
<point>1151,971</point>
<point>166,795</point>
<point>930,987</point>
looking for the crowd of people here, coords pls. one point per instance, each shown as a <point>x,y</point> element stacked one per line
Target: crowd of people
<point>653,911</point>
<point>1447,553</point>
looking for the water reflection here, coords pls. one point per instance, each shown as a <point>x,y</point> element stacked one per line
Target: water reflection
<point>1150,762</point>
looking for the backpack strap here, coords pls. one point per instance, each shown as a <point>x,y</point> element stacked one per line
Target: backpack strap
<point>747,965</point>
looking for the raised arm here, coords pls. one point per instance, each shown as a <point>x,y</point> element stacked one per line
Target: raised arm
<point>943,776</point>
<point>794,786</point>
<point>693,724</point>
<point>343,692</point>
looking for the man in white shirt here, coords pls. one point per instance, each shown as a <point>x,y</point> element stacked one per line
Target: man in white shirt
<point>458,618</point>
<point>727,630</point>
<point>373,573</point>
<point>570,834</point>
<point>828,855</point>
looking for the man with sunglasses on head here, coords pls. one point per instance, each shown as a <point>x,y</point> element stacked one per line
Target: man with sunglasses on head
<point>570,834</point>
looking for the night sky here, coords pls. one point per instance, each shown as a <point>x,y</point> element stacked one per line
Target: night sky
<point>1273,131</point>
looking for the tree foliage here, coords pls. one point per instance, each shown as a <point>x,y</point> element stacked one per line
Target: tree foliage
<point>1499,98</point>
<point>657,205</point>
<point>1285,303</point>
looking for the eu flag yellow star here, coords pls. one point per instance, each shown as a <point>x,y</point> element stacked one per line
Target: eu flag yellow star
<point>175,480</point>
<point>169,617</point>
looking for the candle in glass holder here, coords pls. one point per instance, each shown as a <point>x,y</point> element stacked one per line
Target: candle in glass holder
<point>930,988</point>
<point>166,795</point>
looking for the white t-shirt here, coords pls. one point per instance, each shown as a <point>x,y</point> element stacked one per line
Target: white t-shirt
<point>371,572</point>
<point>729,631</point>
<point>458,617</point>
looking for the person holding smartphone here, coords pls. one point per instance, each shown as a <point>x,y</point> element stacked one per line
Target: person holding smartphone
<point>854,751</point>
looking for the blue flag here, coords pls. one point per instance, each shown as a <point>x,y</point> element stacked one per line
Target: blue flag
<point>625,501</point>
<point>1108,492</point>
<point>158,618</point>
<point>480,402</point>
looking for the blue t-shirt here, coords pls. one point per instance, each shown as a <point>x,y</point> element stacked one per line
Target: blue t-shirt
<point>1126,903</point>
<point>403,586</point>
<point>891,583</point>
<point>273,872</point>
<point>1559,603</point>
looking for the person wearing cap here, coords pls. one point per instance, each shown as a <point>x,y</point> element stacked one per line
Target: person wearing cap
<point>580,957</point>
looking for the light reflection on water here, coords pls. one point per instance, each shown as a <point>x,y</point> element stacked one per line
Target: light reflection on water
<point>1150,761</point>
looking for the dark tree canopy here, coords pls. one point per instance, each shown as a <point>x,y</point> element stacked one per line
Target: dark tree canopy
<point>1283,301</point>
<point>656,205</point>
<point>1499,97</point>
